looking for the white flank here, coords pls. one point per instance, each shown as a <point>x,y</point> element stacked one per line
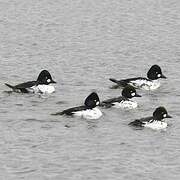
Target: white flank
<point>156,125</point>
<point>94,113</point>
<point>43,89</point>
<point>125,104</point>
<point>146,84</point>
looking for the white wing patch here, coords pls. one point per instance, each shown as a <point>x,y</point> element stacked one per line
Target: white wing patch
<point>94,113</point>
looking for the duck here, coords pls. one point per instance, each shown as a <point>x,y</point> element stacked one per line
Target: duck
<point>150,83</point>
<point>123,101</point>
<point>155,122</point>
<point>41,85</point>
<point>87,111</point>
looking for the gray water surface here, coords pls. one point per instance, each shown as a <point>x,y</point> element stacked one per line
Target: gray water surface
<point>83,44</point>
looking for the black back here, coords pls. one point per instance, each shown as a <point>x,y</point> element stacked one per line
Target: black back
<point>22,87</point>
<point>26,85</point>
<point>109,102</point>
<point>125,82</point>
<point>45,78</point>
<point>140,122</point>
<point>71,111</point>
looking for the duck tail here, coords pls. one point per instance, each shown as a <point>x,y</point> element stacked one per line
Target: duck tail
<point>10,86</point>
<point>114,80</point>
<point>58,113</point>
<point>122,83</point>
<point>136,123</point>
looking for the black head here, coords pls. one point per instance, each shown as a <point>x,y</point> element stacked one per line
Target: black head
<point>155,73</point>
<point>160,113</point>
<point>129,92</point>
<point>45,78</point>
<point>92,100</point>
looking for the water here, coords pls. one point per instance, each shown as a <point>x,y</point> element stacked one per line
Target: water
<point>83,44</point>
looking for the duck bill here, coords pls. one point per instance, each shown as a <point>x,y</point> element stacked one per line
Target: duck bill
<point>52,81</point>
<point>163,76</point>
<point>168,116</point>
<point>137,95</point>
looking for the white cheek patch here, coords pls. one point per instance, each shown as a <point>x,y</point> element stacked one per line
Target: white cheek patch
<point>165,115</point>
<point>159,75</point>
<point>133,94</point>
<point>97,103</point>
<point>48,80</point>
